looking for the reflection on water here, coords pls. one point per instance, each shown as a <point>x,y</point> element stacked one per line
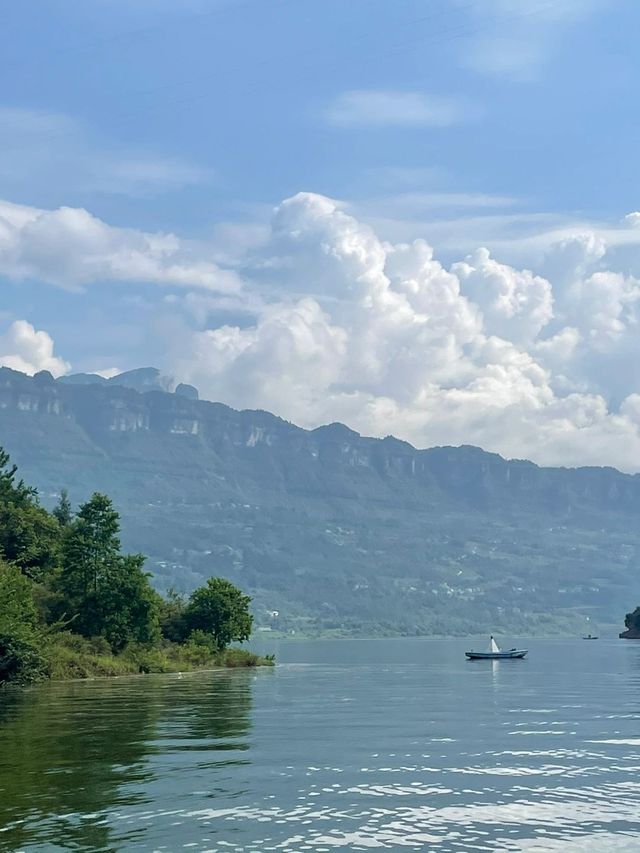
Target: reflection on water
<point>351,745</point>
<point>73,754</point>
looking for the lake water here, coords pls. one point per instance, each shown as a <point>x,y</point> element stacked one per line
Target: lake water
<point>345,745</point>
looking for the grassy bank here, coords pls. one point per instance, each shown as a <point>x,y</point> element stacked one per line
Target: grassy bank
<point>71,656</point>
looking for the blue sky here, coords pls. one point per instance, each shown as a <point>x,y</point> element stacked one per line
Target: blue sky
<point>238,94</point>
<point>179,127</point>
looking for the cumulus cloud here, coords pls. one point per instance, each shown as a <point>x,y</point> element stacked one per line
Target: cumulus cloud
<point>375,108</point>
<point>331,322</point>
<point>608,304</point>
<point>71,247</point>
<point>386,338</point>
<point>516,304</point>
<point>25,349</point>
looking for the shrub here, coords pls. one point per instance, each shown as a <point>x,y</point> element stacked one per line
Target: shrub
<point>22,659</point>
<point>73,656</point>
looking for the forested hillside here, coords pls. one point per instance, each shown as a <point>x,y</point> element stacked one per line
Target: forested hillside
<point>327,529</point>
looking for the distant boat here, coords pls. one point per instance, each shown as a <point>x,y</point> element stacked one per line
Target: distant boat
<point>495,653</point>
<point>590,637</point>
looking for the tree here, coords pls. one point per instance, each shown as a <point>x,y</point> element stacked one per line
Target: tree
<point>171,615</point>
<point>16,596</point>
<point>29,536</point>
<point>22,657</point>
<point>17,492</point>
<point>62,510</point>
<point>129,605</point>
<point>105,592</point>
<point>632,620</point>
<point>91,547</point>
<point>220,610</point>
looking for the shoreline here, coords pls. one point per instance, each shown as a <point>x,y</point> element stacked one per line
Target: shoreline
<point>267,665</point>
<point>75,659</point>
<point>608,632</point>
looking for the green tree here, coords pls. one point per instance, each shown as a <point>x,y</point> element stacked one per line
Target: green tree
<point>220,610</point>
<point>22,657</point>
<point>91,548</point>
<point>171,615</point>
<point>10,489</point>
<point>129,604</point>
<point>105,592</point>
<point>62,510</point>
<point>16,596</point>
<point>29,535</point>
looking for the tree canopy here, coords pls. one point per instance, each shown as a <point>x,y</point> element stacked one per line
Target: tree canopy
<point>62,510</point>
<point>105,592</point>
<point>29,535</point>
<point>65,574</point>
<point>220,610</point>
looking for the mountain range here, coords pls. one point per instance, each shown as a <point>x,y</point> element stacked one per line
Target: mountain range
<point>329,530</point>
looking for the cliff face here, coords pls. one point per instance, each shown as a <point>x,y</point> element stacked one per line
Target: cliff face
<point>327,524</point>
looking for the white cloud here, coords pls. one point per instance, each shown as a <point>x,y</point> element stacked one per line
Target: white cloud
<point>608,304</point>
<point>382,108</point>
<point>108,373</point>
<point>71,247</point>
<point>389,341</point>
<point>514,37</point>
<point>25,349</point>
<point>383,337</point>
<point>515,303</point>
<point>331,322</point>
<point>414,204</point>
<point>55,152</point>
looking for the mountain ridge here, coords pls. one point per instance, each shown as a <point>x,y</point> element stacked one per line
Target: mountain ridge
<point>331,529</point>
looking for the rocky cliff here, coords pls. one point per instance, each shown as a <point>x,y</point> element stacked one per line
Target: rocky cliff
<point>326,526</point>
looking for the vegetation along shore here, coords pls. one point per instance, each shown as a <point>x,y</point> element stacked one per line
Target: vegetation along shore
<point>72,605</point>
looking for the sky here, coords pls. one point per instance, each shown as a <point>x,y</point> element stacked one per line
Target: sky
<point>417,217</point>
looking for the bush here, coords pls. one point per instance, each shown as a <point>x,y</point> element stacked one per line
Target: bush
<point>21,655</point>
<point>241,657</point>
<point>147,659</point>
<point>73,656</point>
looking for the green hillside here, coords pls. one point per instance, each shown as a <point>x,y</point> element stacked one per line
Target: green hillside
<point>332,530</point>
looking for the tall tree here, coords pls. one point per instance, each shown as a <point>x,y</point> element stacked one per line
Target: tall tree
<point>221,610</point>
<point>105,592</point>
<point>91,548</point>
<point>62,510</point>
<point>29,536</point>
<point>11,489</point>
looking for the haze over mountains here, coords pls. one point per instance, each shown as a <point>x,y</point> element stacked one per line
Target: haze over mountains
<point>328,529</point>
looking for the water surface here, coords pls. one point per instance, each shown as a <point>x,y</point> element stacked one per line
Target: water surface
<point>347,745</point>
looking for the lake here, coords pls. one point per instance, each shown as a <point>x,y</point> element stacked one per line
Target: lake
<point>345,745</point>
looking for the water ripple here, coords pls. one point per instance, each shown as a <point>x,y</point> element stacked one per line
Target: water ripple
<point>421,757</point>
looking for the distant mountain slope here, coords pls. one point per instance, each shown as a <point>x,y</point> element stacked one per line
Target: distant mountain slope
<point>326,527</point>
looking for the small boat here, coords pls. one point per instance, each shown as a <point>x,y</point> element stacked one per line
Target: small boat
<point>495,653</point>
<point>590,637</point>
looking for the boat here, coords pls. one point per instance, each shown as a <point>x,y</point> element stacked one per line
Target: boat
<point>495,653</point>
<point>590,637</point>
